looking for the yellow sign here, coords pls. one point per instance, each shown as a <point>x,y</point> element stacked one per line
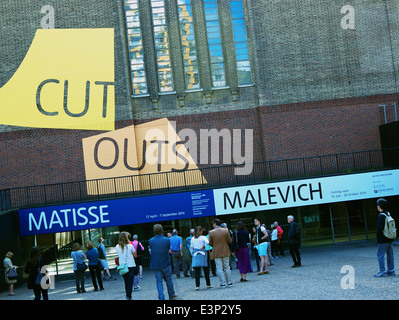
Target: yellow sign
<point>132,153</point>
<point>65,81</point>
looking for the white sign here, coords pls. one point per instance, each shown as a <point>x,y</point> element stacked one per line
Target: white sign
<point>306,192</point>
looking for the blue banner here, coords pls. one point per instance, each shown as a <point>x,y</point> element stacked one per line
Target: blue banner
<point>118,212</point>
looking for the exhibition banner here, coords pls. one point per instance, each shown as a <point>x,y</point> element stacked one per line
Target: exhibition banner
<point>116,212</point>
<point>205,203</point>
<point>307,192</point>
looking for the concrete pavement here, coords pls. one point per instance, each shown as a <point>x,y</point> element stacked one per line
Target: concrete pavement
<point>343,272</point>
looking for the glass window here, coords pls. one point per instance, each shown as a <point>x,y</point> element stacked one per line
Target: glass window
<point>135,44</point>
<point>214,43</point>
<point>188,44</point>
<point>160,28</point>
<point>240,42</point>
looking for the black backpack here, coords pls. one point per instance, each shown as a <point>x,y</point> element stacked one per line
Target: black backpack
<point>139,250</point>
<point>100,252</point>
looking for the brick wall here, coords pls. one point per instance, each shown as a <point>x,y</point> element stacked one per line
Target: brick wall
<point>324,127</point>
<point>43,156</point>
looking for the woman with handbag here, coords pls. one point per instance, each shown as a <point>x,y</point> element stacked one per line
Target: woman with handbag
<point>127,266</point>
<point>9,270</point>
<point>200,257</point>
<point>79,267</point>
<point>34,268</point>
<point>240,240</point>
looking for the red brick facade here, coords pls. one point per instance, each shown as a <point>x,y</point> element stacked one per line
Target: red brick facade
<point>44,156</point>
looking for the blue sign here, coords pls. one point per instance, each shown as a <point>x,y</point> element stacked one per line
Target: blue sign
<point>119,212</point>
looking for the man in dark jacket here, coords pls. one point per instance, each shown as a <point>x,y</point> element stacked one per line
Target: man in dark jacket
<point>160,262</point>
<point>384,243</point>
<point>293,241</point>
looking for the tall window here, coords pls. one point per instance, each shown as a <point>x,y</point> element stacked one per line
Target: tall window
<point>240,42</point>
<point>188,44</point>
<point>135,47</point>
<point>214,43</point>
<point>164,65</point>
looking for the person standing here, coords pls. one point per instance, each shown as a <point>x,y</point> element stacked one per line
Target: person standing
<point>159,247</point>
<point>103,259</point>
<point>176,248</point>
<point>32,268</point>
<point>261,243</point>
<point>126,254</point>
<point>93,257</point>
<point>200,257</point>
<point>211,261</point>
<point>384,244</point>
<point>240,237</point>
<point>274,240</point>
<point>269,246</point>
<point>9,266</point>
<point>139,259</point>
<point>219,240</point>
<point>293,241</point>
<point>78,259</point>
<point>188,257</point>
<point>279,238</point>
<point>255,249</point>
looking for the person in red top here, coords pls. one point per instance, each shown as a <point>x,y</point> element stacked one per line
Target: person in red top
<point>279,236</point>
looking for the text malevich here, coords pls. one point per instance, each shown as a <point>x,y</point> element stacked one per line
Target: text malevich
<point>272,195</point>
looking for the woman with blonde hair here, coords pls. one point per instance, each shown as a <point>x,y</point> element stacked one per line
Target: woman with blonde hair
<point>9,266</point>
<point>127,266</point>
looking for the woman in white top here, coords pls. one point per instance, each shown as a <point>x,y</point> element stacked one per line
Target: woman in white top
<point>274,238</point>
<point>200,258</point>
<point>126,254</point>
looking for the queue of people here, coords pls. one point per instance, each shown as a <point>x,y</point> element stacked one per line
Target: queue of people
<point>203,252</point>
<point>208,252</point>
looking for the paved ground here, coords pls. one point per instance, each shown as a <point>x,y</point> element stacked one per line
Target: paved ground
<point>319,278</point>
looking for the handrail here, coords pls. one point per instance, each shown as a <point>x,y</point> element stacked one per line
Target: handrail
<point>196,179</point>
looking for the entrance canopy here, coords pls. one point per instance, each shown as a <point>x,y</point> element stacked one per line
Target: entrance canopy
<point>205,203</point>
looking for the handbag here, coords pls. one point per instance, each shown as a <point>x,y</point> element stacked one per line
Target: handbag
<point>12,274</point>
<point>39,276</point>
<point>100,265</point>
<point>123,269</point>
<point>200,258</point>
<point>81,266</point>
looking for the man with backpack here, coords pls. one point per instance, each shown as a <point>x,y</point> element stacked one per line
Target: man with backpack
<point>386,233</point>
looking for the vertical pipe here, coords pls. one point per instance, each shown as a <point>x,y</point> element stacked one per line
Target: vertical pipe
<point>348,222</point>
<point>332,224</point>
<point>365,221</point>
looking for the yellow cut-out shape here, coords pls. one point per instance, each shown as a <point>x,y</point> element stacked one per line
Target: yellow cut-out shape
<point>65,81</point>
